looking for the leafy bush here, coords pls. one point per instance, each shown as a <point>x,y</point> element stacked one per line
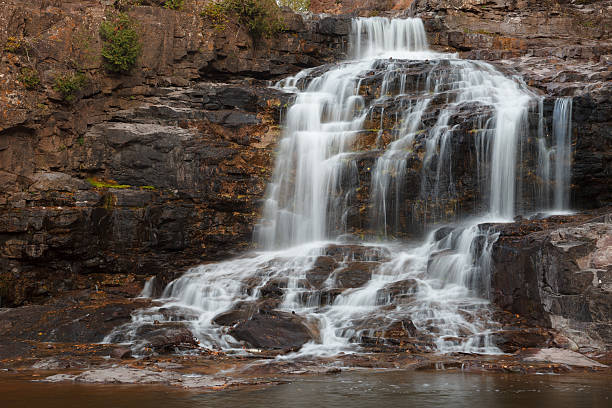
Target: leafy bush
<point>259,17</point>
<point>29,78</point>
<point>297,5</point>
<point>174,4</point>
<point>69,84</point>
<point>122,45</point>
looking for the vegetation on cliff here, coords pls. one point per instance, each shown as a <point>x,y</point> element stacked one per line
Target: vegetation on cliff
<point>174,4</point>
<point>297,5</point>
<point>70,84</point>
<point>259,17</point>
<point>29,78</point>
<point>122,45</point>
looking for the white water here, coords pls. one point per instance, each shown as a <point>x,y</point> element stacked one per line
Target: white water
<point>555,162</point>
<point>441,284</point>
<point>562,132</point>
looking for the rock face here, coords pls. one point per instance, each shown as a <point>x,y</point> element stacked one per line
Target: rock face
<point>143,173</point>
<point>558,276</point>
<point>186,170</point>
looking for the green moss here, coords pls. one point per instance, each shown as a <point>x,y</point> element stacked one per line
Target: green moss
<point>121,43</point>
<point>147,187</point>
<point>69,84</point>
<point>108,184</point>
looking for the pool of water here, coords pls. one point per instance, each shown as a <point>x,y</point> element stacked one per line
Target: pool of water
<point>349,389</point>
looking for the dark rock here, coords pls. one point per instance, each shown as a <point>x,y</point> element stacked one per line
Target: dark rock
<point>121,353</point>
<point>274,330</point>
<point>510,341</point>
<point>557,278</point>
<point>169,340</point>
<point>355,274</point>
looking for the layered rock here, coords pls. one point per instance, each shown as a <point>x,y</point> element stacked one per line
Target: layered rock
<point>140,173</point>
<point>557,275</point>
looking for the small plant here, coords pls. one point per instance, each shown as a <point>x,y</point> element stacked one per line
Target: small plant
<point>259,17</point>
<point>174,4</point>
<point>69,84</point>
<point>216,13</point>
<point>29,78</point>
<point>296,5</point>
<point>14,45</point>
<point>125,5</point>
<point>81,141</point>
<point>122,45</point>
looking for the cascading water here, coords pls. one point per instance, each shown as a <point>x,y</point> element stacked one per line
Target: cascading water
<point>555,162</point>
<point>349,290</point>
<point>562,131</point>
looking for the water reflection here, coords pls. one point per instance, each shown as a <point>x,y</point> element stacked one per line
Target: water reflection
<point>386,389</point>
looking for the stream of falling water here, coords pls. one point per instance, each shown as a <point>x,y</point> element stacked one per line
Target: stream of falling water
<point>555,162</point>
<point>437,288</point>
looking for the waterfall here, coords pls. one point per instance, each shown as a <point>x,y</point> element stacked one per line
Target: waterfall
<point>376,36</point>
<point>562,133</point>
<point>554,162</point>
<point>350,287</point>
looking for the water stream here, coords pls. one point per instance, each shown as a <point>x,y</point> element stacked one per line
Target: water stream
<point>437,287</point>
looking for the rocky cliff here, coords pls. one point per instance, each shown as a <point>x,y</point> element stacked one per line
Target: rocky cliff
<point>139,173</point>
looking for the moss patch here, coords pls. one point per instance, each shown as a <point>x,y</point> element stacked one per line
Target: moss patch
<point>106,183</point>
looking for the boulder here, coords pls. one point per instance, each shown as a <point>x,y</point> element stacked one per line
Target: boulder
<point>273,330</point>
<point>121,353</point>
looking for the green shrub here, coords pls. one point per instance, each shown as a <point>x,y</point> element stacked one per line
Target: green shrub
<point>297,5</point>
<point>29,78</point>
<point>69,84</point>
<point>122,45</point>
<point>259,17</point>
<point>173,4</point>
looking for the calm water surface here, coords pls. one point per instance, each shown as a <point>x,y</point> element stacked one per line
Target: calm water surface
<point>351,389</point>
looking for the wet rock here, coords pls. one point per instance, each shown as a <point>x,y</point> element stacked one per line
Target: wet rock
<point>401,291</point>
<point>66,321</point>
<point>54,363</point>
<point>355,274</point>
<point>273,330</point>
<point>244,311</point>
<point>561,356</point>
<point>512,340</point>
<point>169,340</point>
<point>321,270</point>
<point>121,353</point>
